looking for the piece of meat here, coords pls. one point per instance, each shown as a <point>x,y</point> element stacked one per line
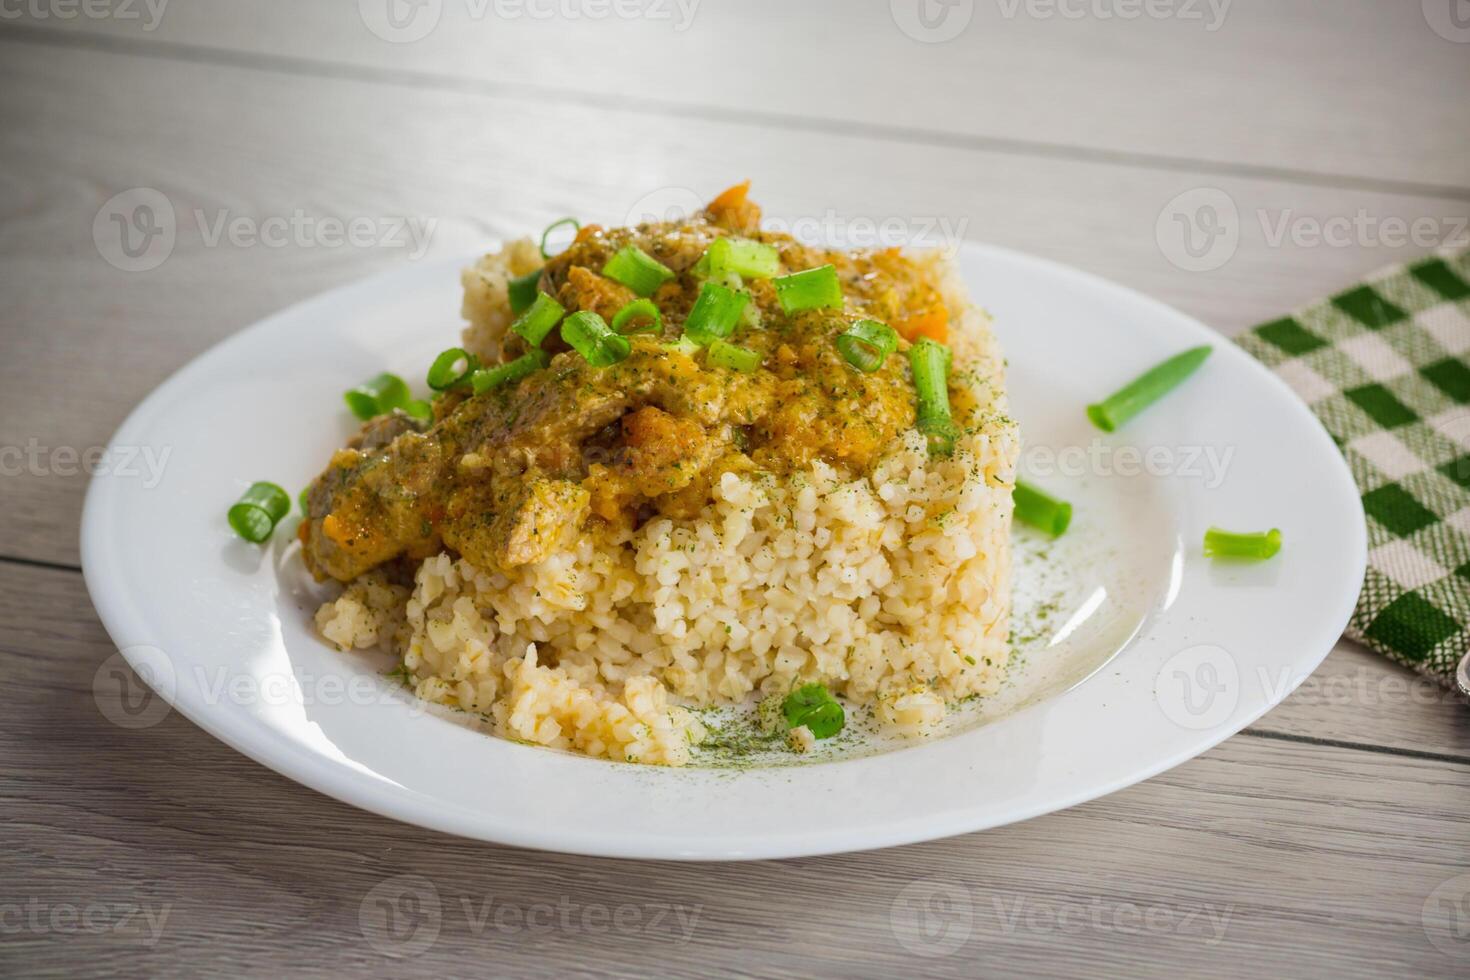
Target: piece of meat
<point>663,452</point>
<point>654,455</point>
<point>379,432</point>
<point>495,531</point>
<point>469,481</point>
<point>370,507</point>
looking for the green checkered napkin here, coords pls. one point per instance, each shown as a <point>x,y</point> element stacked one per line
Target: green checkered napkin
<point>1383,365</point>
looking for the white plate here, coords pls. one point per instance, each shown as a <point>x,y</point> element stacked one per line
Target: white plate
<point>222,629</point>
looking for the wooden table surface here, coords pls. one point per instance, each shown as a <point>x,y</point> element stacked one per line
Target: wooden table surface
<point>1331,838</point>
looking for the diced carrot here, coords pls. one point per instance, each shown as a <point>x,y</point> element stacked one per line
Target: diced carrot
<point>335,530</point>
<point>932,323</point>
<point>730,198</point>
<point>585,232</point>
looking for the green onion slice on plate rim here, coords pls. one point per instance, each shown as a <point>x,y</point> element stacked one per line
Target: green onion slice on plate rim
<point>1113,412</point>
<point>1251,546</point>
<point>1041,510</point>
<point>260,508</point>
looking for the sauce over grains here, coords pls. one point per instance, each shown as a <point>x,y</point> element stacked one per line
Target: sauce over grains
<point>500,476</point>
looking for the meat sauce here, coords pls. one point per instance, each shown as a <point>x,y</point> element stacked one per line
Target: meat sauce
<point>499,476</point>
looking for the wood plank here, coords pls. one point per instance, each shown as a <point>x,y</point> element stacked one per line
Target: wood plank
<point>87,125</point>
<point>1359,697</point>
<point>1326,91</point>
<point>1258,858</point>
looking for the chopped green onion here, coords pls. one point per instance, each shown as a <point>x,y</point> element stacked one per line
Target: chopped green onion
<point>866,344</point>
<point>722,353</point>
<point>377,396</point>
<point>637,270</point>
<point>639,309</point>
<point>812,705</point>
<point>930,363</point>
<point>419,410</point>
<point>715,262</point>
<point>941,432</point>
<point>715,313</point>
<point>522,291</point>
<point>684,346</point>
<point>576,226</point>
<point>362,404</point>
<point>258,511</point>
<point>1037,508</point>
<point>813,289</point>
<point>1147,388</point>
<point>538,320</point>
<point>451,367</point>
<point>303,497</point>
<point>589,335</point>
<point>743,257</point>
<point>1257,546</point>
<point>754,260</point>
<point>751,319</point>
<point>503,374</point>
